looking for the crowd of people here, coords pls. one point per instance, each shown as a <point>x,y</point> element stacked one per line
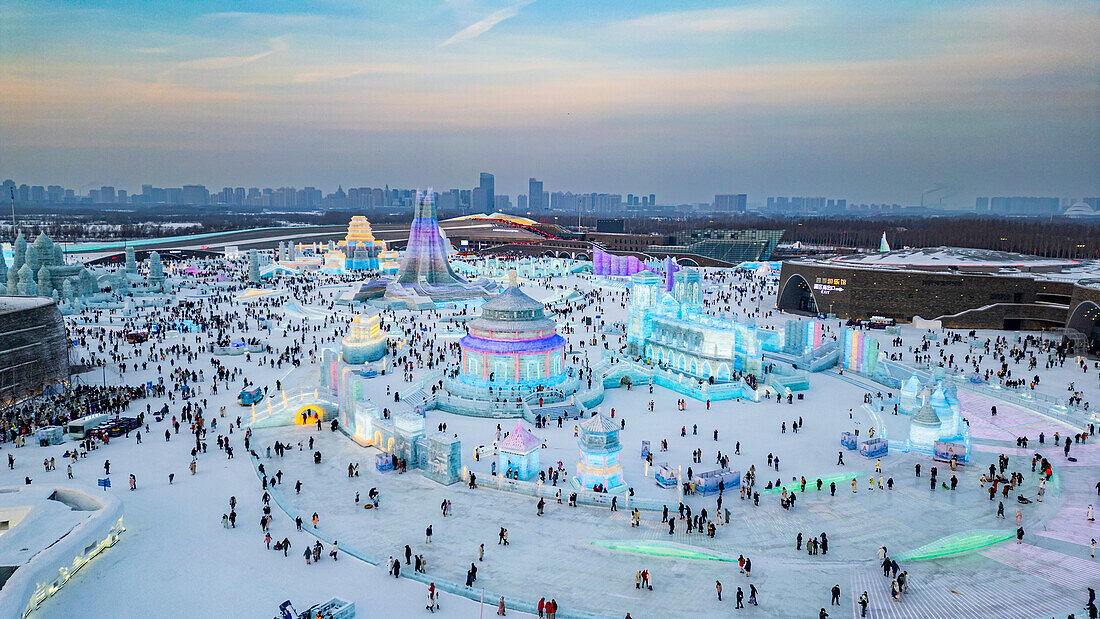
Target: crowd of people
<point>182,384</point>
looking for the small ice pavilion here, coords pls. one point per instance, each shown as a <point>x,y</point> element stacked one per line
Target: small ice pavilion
<point>600,449</point>
<point>518,454</point>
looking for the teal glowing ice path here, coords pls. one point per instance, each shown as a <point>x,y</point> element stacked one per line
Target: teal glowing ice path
<point>811,484</point>
<point>660,549</point>
<point>957,543</point>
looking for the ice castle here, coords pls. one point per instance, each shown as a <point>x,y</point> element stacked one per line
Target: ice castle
<point>672,330</point>
<point>936,417</point>
<point>359,250</point>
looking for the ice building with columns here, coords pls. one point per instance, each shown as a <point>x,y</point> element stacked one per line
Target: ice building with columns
<point>600,449</point>
<point>672,330</point>
<point>512,346</point>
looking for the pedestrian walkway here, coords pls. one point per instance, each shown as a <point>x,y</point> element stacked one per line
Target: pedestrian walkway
<point>1071,525</point>
<point>935,590</point>
<point>1054,567</point>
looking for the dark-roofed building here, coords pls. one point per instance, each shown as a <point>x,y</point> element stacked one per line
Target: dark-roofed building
<point>962,288</point>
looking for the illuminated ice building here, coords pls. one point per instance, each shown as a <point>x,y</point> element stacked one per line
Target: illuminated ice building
<point>361,249</point>
<point>671,329</point>
<point>512,351</point>
<point>599,466</point>
<point>425,277</point>
<point>365,341</point>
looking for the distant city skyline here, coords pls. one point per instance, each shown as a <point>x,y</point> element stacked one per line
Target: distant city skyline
<point>537,201</point>
<point>866,101</point>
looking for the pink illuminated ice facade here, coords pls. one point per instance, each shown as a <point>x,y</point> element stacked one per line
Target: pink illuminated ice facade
<point>511,345</point>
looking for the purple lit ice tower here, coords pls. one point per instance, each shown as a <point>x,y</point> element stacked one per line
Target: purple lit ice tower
<point>425,270</point>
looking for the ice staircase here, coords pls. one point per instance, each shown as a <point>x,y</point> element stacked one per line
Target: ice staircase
<point>416,400</point>
<point>553,411</point>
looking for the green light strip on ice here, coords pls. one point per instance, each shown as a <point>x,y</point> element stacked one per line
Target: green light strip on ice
<point>659,549</point>
<point>958,543</point>
<point>811,484</point>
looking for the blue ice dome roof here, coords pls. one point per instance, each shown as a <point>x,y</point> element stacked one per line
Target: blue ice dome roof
<point>512,301</point>
<point>512,310</point>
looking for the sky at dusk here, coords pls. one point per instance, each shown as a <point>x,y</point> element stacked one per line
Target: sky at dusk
<point>870,101</point>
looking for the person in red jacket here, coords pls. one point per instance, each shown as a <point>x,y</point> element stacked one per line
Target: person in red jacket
<point>542,605</point>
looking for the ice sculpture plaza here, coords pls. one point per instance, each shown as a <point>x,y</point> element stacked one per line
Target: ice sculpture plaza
<point>605,419</point>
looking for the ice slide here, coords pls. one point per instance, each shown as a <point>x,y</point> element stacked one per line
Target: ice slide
<point>294,309</point>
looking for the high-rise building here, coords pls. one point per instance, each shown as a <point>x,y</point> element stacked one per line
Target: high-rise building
<point>981,205</point>
<point>521,203</point>
<point>534,195</point>
<point>488,193</point>
<point>730,202</point>
<point>107,195</point>
<point>195,194</point>
<point>477,201</point>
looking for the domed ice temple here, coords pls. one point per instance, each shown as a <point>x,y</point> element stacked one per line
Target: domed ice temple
<point>513,351</point>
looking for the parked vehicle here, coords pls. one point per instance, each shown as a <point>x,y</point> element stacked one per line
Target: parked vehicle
<point>250,396</point>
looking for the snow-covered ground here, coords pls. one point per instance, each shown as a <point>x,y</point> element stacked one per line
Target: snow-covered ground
<point>177,560</point>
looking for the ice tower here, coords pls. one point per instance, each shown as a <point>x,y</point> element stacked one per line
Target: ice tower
<point>425,272</point>
<point>599,464</point>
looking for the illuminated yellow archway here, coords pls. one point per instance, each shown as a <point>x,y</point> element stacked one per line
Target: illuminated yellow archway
<point>309,414</point>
